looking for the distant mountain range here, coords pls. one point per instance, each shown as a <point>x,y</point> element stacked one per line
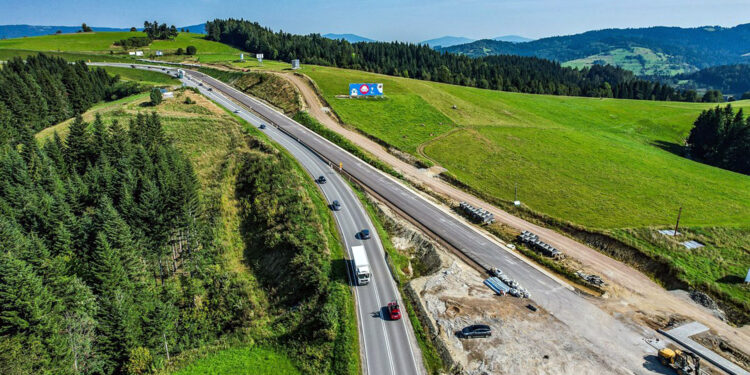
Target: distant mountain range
<point>19,31</point>
<point>646,51</point>
<point>450,41</point>
<point>351,38</point>
<point>512,39</point>
<point>446,41</point>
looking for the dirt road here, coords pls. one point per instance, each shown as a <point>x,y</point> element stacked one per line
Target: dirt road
<point>635,297</point>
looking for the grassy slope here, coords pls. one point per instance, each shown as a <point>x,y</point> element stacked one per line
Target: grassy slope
<point>593,162</point>
<point>102,42</point>
<point>653,63</point>
<point>145,76</point>
<point>603,164</point>
<point>256,361</point>
<point>212,138</point>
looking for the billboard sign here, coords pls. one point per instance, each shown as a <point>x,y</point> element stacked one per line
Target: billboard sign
<point>365,89</point>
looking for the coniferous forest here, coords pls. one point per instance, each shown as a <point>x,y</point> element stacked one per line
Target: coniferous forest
<point>103,249</point>
<point>45,90</point>
<point>721,137</point>
<point>503,72</point>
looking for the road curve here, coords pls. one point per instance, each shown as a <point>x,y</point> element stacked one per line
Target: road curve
<point>387,347</point>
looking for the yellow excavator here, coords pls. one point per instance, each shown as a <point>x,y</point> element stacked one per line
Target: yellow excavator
<point>685,362</point>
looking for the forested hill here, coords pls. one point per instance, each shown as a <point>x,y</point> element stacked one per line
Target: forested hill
<point>45,90</point>
<point>508,73</point>
<point>700,47</point>
<point>730,79</point>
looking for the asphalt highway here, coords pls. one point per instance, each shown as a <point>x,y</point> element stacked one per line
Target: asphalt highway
<point>623,345</point>
<point>387,347</point>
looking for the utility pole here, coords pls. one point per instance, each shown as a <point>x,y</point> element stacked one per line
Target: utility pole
<point>677,226</point>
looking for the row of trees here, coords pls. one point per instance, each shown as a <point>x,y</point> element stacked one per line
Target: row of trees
<point>133,42</point>
<point>45,90</point>
<point>155,31</point>
<point>106,263</point>
<point>721,137</point>
<point>508,73</point>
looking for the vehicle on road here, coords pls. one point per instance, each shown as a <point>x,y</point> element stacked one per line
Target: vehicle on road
<point>321,180</point>
<point>685,362</point>
<point>364,234</point>
<point>262,126</point>
<point>200,83</point>
<point>335,205</point>
<point>210,89</point>
<point>361,265</point>
<point>394,313</point>
<point>476,330</point>
<point>236,111</point>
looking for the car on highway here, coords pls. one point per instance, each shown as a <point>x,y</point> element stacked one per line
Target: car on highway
<point>321,180</point>
<point>364,234</point>
<point>476,330</point>
<point>262,126</point>
<point>236,111</point>
<point>335,205</point>
<point>394,313</point>
<point>210,89</point>
<point>200,83</point>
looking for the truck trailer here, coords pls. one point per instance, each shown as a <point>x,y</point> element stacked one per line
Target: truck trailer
<point>361,265</point>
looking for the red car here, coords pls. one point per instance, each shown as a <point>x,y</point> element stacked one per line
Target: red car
<point>393,311</point>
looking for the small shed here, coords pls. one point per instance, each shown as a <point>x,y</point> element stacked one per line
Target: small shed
<point>159,53</point>
<point>139,53</point>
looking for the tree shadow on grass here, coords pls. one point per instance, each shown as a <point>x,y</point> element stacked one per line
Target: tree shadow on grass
<point>731,279</point>
<point>670,147</point>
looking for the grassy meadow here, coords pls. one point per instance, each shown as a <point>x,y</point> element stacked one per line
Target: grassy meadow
<point>242,360</point>
<point>103,42</point>
<point>148,77</point>
<point>614,166</point>
<point>639,60</point>
<point>602,163</point>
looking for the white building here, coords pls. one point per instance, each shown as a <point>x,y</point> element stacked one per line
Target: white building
<point>159,53</point>
<point>139,53</point>
<point>131,53</point>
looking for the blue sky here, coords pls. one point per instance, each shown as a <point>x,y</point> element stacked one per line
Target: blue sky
<point>408,20</point>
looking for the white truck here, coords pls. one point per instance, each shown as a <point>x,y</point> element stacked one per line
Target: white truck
<point>361,265</point>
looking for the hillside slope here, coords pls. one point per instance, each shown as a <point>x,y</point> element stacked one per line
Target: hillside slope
<point>694,47</point>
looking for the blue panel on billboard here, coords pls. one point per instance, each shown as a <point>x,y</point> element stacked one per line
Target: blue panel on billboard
<point>365,89</point>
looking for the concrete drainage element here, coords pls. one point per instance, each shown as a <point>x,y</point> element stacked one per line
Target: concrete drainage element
<point>477,214</point>
<point>516,290</point>
<point>532,240</point>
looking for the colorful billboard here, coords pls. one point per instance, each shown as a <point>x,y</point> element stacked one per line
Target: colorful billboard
<point>365,89</point>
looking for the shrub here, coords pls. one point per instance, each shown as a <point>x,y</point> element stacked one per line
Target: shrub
<point>191,50</point>
<point>156,97</point>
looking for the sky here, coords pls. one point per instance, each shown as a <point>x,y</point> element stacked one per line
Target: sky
<point>405,20</point>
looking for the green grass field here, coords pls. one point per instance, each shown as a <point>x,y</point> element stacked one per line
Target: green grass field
<point>144,76</point>
<point>601,163</point>
<point>241,360</point>
<point>103,42</point>
<point>639,60</point>
<point>611,165</point>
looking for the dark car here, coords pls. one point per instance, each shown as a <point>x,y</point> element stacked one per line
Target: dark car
<point>322,179</point>
<point>476,330</point>
<point>394,313</point>
<point>210,89</point>
<point>262,126</point>
<point>335,205</point>
<point>364,234</point>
